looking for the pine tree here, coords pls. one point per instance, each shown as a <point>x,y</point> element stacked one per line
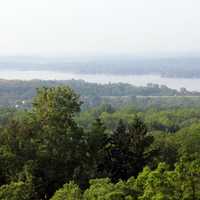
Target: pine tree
<point>125,151</point>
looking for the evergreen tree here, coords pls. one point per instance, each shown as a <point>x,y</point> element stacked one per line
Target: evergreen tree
<point>125,152</point>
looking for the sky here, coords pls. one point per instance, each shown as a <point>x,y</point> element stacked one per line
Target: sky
<point>92,27</point>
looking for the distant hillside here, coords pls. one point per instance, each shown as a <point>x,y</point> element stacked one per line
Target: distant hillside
<point>188,67</point>
<point>20,93</point>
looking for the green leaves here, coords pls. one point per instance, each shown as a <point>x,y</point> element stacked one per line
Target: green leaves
<point>69,191</point>
<point>56,106</point>
<point>42,149</point>
<point>182,183</point>
<point>16,191</point>
<point>125,154</point>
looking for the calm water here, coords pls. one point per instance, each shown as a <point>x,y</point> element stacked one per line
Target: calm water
<point>138,80</point>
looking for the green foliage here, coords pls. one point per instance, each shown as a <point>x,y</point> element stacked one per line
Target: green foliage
<point>56,106</point>
<point>69,191</point>
<point>96,139</point>
<point>104,189</point>
<point>161,183</point>
<point>189,140</point>
<point>167,148</point>
<point>43,148</point>
<point>182,183</point>
<point>16,191</point>
<point>59,136</point>
<point>44,141</point>
<point>19,94</point>
<point>125,152</point>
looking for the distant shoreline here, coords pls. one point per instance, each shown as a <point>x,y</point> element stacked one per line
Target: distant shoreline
<point>174,67</point>
<point>191,84</point>
<point>99,73</point>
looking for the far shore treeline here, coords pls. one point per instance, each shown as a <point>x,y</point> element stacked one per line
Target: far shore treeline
<point>16,93</point>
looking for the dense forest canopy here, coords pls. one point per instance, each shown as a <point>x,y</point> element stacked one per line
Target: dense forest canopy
<point>54,150</point>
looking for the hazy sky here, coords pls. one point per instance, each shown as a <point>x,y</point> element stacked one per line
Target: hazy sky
<point>65,27</point>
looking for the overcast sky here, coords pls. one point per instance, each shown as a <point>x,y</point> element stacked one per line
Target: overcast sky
<point>63,27</point>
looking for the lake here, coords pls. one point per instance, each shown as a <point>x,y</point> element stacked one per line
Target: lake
<point>138,80</point>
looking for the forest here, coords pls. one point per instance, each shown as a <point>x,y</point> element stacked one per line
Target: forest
<point>16,93</point>
<point>56,150</point>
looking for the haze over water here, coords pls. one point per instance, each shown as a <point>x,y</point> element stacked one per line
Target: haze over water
<point>137,80</point>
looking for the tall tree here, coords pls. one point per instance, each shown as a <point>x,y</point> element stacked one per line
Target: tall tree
<point>125,152</point>
<point>60,149</point>
<point>96,138</point>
